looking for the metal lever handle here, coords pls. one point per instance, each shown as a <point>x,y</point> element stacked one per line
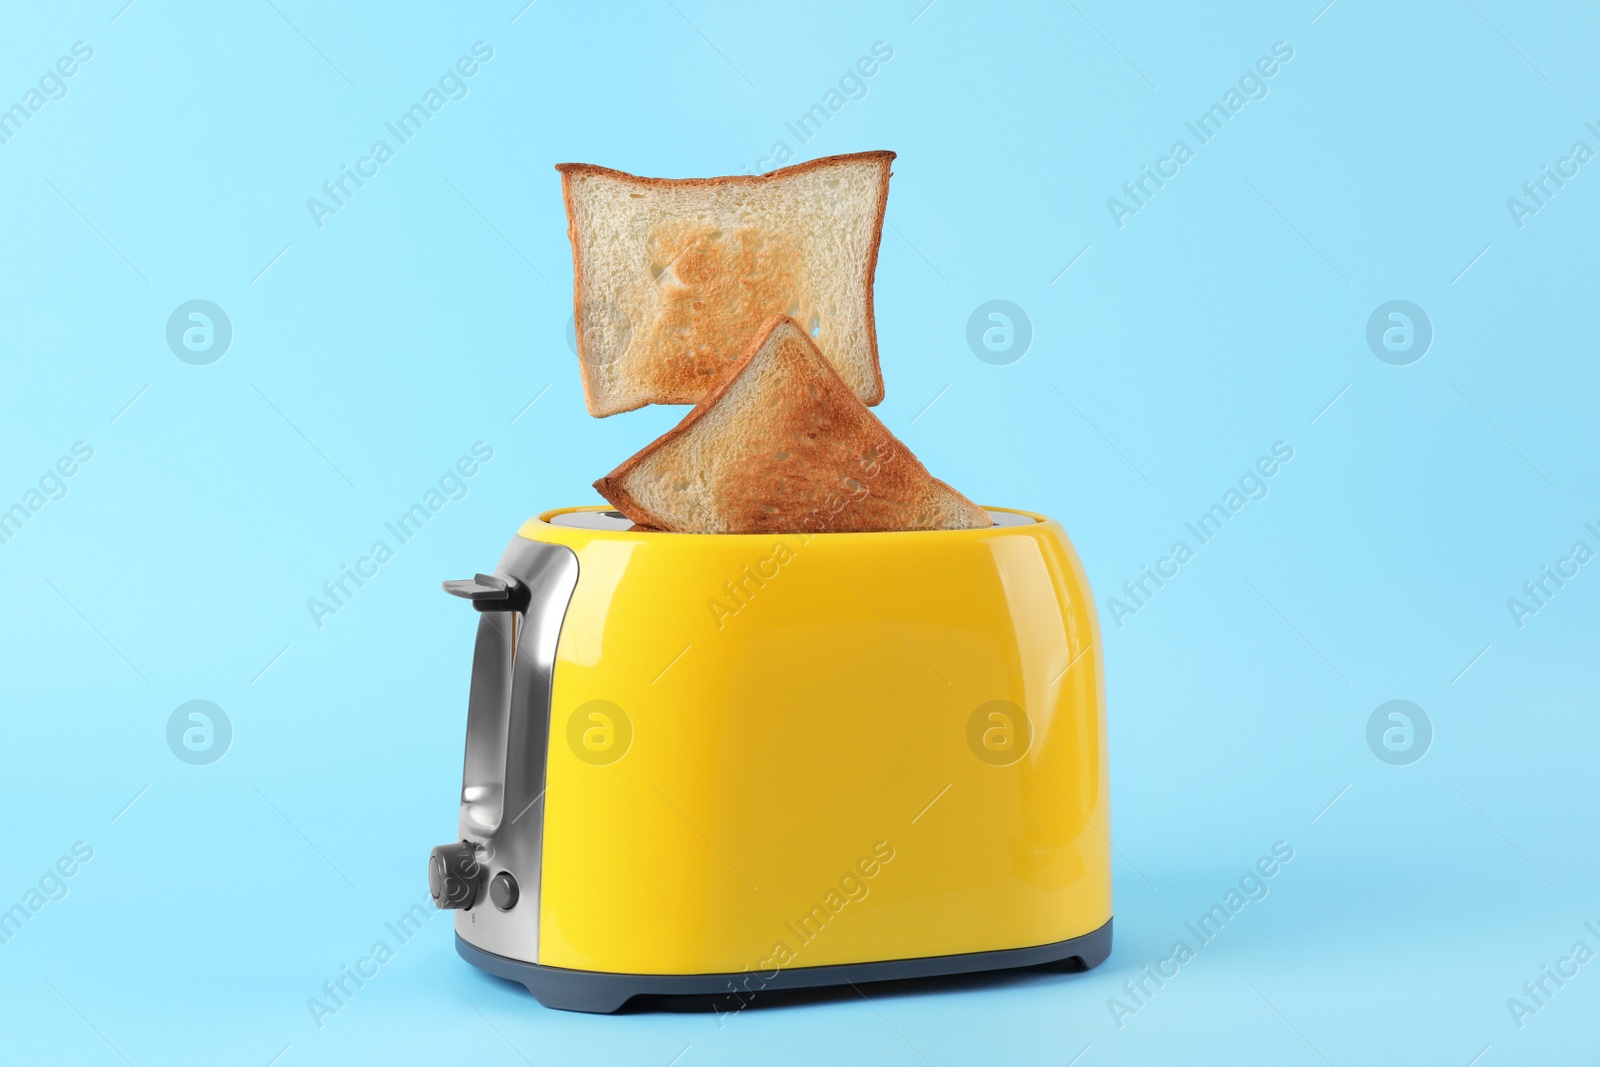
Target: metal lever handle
<point>479,587</point>
<point>489,593</point>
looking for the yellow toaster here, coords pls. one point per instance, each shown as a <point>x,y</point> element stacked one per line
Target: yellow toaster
<point>720,765</point>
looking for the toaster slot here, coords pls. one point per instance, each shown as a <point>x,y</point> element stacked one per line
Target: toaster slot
<point>497,856</point>
<point>483,778</point>
<point>510,669</point>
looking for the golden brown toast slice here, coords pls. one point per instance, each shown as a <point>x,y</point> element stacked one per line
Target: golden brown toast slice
<point>672,277</point>
<point>783,445</point>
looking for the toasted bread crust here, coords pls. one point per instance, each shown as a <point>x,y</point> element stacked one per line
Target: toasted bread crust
<point>592,400</point>
<point>902,479</point>
<point>883,155</point>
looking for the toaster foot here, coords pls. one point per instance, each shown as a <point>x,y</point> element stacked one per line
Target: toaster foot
<point>603,992</point>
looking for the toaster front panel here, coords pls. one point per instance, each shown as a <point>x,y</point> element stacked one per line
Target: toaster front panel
<point>503,783</point>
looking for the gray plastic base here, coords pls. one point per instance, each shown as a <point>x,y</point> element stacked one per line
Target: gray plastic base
<point>604,993</point>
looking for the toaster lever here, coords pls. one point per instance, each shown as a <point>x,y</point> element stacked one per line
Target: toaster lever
<point>489,593</point>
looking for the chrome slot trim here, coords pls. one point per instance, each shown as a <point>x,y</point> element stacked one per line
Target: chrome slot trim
<point>503,783</point>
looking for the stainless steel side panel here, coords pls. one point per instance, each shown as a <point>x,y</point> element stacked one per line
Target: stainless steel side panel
<point>508,726</point>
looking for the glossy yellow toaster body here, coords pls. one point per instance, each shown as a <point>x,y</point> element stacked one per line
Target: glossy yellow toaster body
<point>774,761</point>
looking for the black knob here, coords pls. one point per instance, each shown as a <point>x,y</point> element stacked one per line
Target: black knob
<point>454,875</point>
<point>503,891</point>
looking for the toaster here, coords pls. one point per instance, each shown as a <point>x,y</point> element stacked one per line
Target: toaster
<point>723,765</point>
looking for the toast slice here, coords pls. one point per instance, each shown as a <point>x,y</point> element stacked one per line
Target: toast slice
<point>672,277</point>
<point>783,445</point>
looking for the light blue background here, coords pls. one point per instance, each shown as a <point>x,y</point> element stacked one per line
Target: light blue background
<point>428,313</point>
